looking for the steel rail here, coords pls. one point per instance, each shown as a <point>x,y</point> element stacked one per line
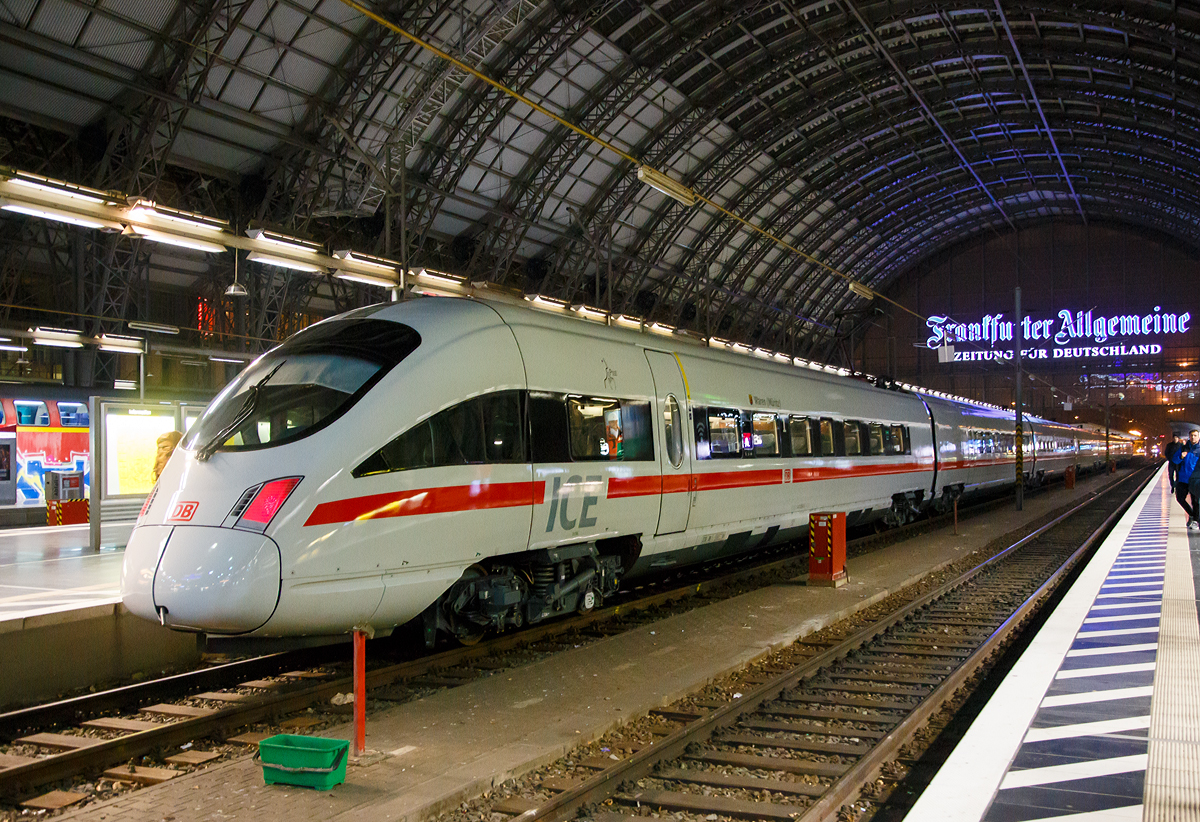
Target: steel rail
<point>643,762</point>
<point>22,779</point>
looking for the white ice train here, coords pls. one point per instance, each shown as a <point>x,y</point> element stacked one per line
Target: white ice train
<point>489,465</point>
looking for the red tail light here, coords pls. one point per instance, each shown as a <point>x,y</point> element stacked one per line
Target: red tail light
<point>265,504</point>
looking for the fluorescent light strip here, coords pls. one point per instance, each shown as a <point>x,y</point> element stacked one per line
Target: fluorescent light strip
<point>367,279</point>
<point>177,240</point>
<point>56,343</point>
<point>283,262</point>
<point>58,216</point>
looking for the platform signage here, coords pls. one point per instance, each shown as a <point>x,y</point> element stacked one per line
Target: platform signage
<point>1066,336</point>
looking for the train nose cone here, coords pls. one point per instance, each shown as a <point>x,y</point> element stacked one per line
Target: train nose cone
<point>137,571</point>
<point>217,580</point>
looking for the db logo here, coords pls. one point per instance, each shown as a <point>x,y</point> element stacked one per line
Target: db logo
<point>184,511</point>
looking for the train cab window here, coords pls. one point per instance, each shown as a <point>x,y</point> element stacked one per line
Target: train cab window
<point>894,440</point>
<point>32,412</point>
<point>801,437</point>
<point>609,429</point>
<point>875,439</point>
<point>74,414</point>
<point>827,444</point>
<point>673,427</point>
<point>548,438</point>
<point>503,429</point>
<point>724,432</point>
<point>853,438</point>
<point>302,386</point>
<point>765,435</point>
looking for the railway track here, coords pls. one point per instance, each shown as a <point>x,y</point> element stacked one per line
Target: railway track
<point>91,733</point>
<point>813,738</point>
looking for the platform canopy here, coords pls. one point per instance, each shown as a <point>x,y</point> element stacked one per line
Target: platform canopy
<point>866,136</point>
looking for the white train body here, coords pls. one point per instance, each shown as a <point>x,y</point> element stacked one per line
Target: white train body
<point>490,465</point>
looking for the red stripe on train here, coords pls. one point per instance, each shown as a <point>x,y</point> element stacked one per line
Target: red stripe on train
<point>473,497</point>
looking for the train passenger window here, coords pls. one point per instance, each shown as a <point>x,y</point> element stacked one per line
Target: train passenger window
<point>827,446</point>
<point>609,430</point>
<point>32,412</point>
<point>853,437</point>
<point>724,436</point>
<point>875,439</point>
<point>801,437</point>
<point>673,426</point>
<point>74,414</point>
<point>765,436</point>
<point>894,441</point>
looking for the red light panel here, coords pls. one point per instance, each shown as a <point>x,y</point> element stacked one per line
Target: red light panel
<point>269,500</point>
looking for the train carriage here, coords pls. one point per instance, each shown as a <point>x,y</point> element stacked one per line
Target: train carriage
<point>345,479</point>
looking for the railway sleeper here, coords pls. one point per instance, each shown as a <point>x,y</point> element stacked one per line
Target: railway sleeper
<point>811,729</point>
<point>771,763</point>
<point>716,779</point>
<point>695,803</point>
<point>839,748</point>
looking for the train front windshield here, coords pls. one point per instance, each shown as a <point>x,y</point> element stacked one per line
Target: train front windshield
<point>301,386</point>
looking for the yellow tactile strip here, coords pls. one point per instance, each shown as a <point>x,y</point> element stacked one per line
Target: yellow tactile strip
<point>1173,774</point>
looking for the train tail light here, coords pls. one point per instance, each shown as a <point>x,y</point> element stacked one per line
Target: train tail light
<point>259,504</point>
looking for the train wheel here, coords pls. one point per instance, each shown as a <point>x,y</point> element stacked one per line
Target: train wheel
<point>464,632</point>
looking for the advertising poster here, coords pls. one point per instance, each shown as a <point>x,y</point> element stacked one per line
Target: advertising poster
<point>130,448</point>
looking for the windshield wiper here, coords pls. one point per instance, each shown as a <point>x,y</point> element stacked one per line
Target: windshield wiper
<point>248,405</point>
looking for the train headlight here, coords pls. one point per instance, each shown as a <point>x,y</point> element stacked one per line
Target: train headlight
<point>259,504</point>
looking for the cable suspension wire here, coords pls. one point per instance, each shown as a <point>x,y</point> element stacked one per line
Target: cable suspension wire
<point>363,10</point>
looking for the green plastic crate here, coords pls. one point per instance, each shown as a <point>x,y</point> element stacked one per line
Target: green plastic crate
<point>307,761</point>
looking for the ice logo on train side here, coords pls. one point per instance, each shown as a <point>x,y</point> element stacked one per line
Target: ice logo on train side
<point>561,494</point>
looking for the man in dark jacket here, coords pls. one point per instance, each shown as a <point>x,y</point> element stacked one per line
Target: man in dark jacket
<point>1185,460</point>
<point>1172,447</point>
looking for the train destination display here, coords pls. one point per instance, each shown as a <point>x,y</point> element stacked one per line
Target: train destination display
<point>1068,335</point>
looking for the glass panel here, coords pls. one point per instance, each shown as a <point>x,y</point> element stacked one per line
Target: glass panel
<point>827,449</point>
<point>673,426</point>
<point>32,412</point>
<point>458,435</point>
<point>503,433</point>
<point>853,439</point>
<point>875,438</point>
<point>595,427</point>
<point>131,448</point>
<point>893,440</point>
<point>636,432</point>
<point>307,382</point>
<point>766,435</point>
<point>723,434</point>
<point>548,426</point>
<point>801,446</point>
<point>74,414</point>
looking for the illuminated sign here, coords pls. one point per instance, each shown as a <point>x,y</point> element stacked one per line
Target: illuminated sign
<point>1069,335</point>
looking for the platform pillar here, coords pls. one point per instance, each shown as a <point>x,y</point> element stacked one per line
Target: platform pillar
<point>827,549</point>
<point>360,692</point>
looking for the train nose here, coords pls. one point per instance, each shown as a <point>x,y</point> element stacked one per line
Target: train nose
<point>210,579</point>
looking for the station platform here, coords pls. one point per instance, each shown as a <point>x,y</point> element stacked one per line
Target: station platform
<point>51,569</point>
<point>429,755</point>
<point>1099,721</point>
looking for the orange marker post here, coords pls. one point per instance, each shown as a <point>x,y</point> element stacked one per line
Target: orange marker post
<point>827,549</point>
<point>360,692</point>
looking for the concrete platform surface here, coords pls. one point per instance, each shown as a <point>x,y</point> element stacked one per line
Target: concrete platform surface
<point>433,753</point>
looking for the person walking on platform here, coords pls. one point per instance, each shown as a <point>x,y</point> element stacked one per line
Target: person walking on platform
<point>1172,447</point>
<point>1185,460</point>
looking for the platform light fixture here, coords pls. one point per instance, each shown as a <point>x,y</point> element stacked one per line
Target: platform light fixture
<point>283,242</point>
<point>284,262</point>
<point>157,328</point>
<point>125,385</point>
<point>589,312</point>
<point>60,189</point>
<point>148,210</point>
<point>548,302</point>
<point>121,344</point>
<point>666,185</point>
<point>440,277</point>
<point>627,321</point>
<point>58,215</point>
<point>57,337</point>
<point>178,240</point>
<point>860,290</point>
<point>227,359</point>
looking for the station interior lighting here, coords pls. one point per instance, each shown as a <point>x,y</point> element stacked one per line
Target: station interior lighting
<point>179,240</point>
<point>57,337</point>
<point>229,359</point>
<point>665,185</point>
<point>438,277</point>
<point>157,328</point>
<point>151,211</point>
<point>58,215</point>
<point>860,290</point>
<point>283,241</point>
<point>284,262</point>
<point>125,385</point>
<point>120,344</point>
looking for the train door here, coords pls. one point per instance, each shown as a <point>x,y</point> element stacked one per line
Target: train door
<point>675,459</point>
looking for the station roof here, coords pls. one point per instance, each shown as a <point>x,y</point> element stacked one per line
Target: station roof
<point>867,135</point>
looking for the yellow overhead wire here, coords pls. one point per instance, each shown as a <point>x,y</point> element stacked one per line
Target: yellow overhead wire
<point>602,142</point>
